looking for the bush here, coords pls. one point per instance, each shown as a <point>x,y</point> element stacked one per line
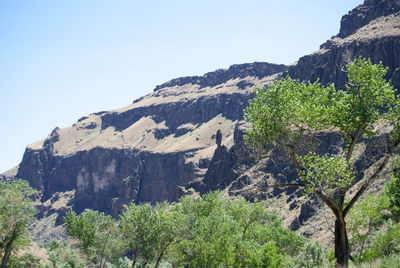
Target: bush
<point>63,256</point>
<point>312,255</point>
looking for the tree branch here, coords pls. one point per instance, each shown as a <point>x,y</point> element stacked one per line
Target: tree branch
<point>354,138</point>
<point>329,202</point>
<point>370,179</point>
<point>293,157</point>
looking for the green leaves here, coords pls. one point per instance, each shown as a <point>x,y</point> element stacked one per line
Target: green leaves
<point>233,233</point>
<point>287,109</point>
<point>281,113</point>
<point>326,173</point>
<point>97,234</point>
<point>149,232</point>
<point>392,191</point>
<point>366,99</point>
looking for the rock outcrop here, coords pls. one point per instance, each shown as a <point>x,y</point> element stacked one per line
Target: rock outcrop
<point>365,13</point>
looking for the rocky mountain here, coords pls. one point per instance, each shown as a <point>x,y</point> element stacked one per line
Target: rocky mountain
<point>146,151</point>
<point>186,137</point>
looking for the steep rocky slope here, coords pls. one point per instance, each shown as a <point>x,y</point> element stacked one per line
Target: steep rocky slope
<point>186,136</point>
<point>145,151</point>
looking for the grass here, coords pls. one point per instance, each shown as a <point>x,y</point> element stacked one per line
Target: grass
<point>389,261</point>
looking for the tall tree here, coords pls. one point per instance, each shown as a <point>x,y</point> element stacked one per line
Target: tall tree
<point>289,113</point>
<point>16,211</point>
<point>97,234</point>
<point>149,232</point>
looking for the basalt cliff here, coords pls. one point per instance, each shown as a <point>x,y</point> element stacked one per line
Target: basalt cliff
<point>186,137</point>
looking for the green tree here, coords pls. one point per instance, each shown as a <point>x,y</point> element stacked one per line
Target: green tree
<point>364,220</point>
<point>209,234</point>
<point>16,212</point>
<point>97,234</point>
<point>289,113</point>
<point>385,242</point>
<point>373,222</point>
<point>221,232</point>
<point>149,232</point>
<point>267,256</point>
<point>257,227</point>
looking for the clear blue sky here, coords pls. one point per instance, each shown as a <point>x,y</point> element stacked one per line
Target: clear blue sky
<point>61,60</point>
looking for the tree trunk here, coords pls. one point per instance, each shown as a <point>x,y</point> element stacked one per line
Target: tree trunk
<point>134,258</point>
<point>160,256</point>
<point>158,261</point>
<point>7,252</point>
<point>342,253</point>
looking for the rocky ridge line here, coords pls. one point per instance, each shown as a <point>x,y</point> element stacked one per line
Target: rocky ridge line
<point>211,79</point>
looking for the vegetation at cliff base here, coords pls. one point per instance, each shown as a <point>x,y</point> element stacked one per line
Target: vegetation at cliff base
<point>210,231</point>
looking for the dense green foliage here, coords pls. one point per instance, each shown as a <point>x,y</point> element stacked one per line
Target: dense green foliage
<point>148,231</point>
<point>212,231</point>
<point>215,232</point>
<point>221,232</point>
<point>98,235</point>
<point>207,232</point>
<point>62,255</point>
<point>283,112</point>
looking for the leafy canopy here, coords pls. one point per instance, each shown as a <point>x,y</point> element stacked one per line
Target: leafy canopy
<point>16,212</point>
<point>97,234</point>
<point>288,111</point>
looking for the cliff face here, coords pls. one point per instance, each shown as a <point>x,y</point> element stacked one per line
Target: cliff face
<point>151,150</point>
<point>186,137</point>
<point>105,179</point>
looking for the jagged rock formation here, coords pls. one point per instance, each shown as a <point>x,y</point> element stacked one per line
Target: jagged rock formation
<point>186,137</point>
